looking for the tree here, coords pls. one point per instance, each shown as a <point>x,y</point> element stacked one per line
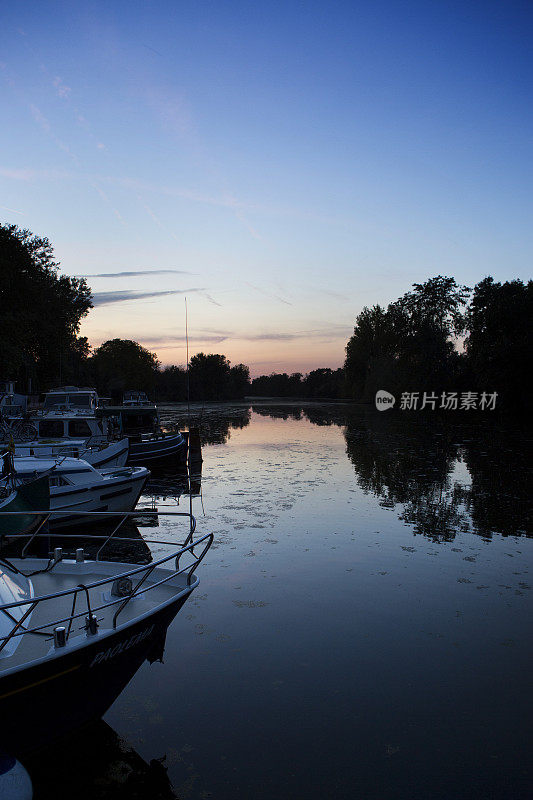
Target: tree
<point>500,339</point>
<point>373,343</point>
<point>172,384</point>
<point>410,345</point>
<point>239,381</point>
<point>437,303</point>
<point>121,364</point>
<point>40,310</point>
<point>209,377</point>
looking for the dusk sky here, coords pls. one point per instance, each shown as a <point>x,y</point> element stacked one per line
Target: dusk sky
<point>281,165</point>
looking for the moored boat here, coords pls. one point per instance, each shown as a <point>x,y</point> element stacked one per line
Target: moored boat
<point>138,420</point>
<point>78,487</point>
<point>74,631</point>
<point>104,454</point>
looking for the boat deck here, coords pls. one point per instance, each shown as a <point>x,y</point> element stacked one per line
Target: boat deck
<point>58,610</point>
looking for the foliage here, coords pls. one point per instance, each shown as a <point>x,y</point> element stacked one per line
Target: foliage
<point>213,378</point>
<point>172,384</point>
<point>121,364</point>
<point>410,344</point>
<point>323,382</point>
<point>40,310</point>
<point>500,341</point>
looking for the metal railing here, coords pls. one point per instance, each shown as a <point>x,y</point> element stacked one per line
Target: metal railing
<point>139,573</point>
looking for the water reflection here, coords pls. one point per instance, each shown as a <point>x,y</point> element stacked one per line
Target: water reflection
<point>445,478</point>
<point>134,550</point>
<point>214,421</point>
<point>96,764</point>
<point>440,476</point>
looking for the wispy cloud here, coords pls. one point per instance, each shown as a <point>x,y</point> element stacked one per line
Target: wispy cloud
<point>39,118</point>
<point>212,300</point>
<point>325,334</point>
<point>268,294</point>
<point>18,174</point>
<point>108,202</point>
<point>12,210</point>
<point>105,298</point>
<point>333,332</point>
<point>151,213</point>
<point>171,341</point>
<point>62,89</point>
<point>133,273</point>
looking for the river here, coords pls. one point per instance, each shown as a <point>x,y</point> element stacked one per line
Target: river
<point>362,628</point>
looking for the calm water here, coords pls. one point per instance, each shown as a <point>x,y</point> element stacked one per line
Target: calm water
<point>362,626</point>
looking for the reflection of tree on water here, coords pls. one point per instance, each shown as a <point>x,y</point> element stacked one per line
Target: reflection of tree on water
<point>447,474</point>
<point>278,412</point>
<point>448,478</point>
<point>96,764</point>
<point>318,414</point>
<point>214,421</point>
<point>499,461</point>
<point>409,465</point>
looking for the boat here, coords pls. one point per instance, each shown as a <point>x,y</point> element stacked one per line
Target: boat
<point>77,486</point>
<point>67,425</point>
<point>73,632</point>
<point>105,454</point>
<point>138,420</point>
<point>32,496</point>
<point>70,414</point>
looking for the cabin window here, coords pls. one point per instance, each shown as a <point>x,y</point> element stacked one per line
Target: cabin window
<point>51,428</point>
<point>138,422</point>
<point>57,480</point>
<point>55,400</point>
<point>78,428</point>
<point>80,400</point>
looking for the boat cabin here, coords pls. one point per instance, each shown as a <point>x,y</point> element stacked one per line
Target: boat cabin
<point>67,397</point>
<point>136,398</point>
<point>67,426</point>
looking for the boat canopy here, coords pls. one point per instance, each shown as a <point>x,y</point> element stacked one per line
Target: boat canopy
<point>71,397</point>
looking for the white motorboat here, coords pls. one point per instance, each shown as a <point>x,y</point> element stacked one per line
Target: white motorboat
<point>70,414</point>
<point>73,632</point>
<point>77,486</point>
<point>105,454</point>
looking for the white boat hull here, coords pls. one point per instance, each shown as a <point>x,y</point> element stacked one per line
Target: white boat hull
<point>114,454</point>
<point>118,493</point>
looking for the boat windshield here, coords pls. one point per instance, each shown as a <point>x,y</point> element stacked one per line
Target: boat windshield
<point>52,400</point>
<point>78,400</point>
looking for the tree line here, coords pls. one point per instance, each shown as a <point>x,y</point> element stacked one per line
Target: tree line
<point>443,337</point>
<point>438,337</point>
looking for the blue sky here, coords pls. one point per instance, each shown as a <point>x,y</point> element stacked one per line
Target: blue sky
<point>282,164</point>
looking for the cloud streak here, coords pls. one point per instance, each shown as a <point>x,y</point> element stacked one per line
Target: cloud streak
<point>106,298</point>
<point>268,294</point>
<point>331,333</point>
<point>12,210</point>
<point>133,273</point>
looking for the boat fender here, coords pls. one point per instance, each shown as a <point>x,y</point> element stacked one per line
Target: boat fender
<point>15,783</point>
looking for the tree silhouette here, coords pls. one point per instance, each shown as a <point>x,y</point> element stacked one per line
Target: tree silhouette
<point>40,310</point>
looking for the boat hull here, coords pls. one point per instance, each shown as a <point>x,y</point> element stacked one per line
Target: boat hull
<point>114,454</point>
<point>57,695</point>
<point>150,450</point>
<point>114,496</point>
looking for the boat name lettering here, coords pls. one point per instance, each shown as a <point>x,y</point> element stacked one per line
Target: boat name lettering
<point>111,652</point>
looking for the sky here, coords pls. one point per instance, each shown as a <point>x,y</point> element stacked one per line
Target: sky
<point>280,165</point>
